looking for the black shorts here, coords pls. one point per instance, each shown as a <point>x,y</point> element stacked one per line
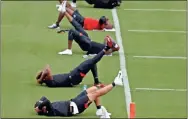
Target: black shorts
<point>95,48</point>
<point>81,101</point>
<point>79,27</point>
<point>78,17</point>
<point>59,80</point>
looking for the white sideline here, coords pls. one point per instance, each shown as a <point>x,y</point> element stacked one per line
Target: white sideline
<point>162,10</point>
<point>127,90</point>
<point>160,57</point>
<point>159,89</point>
<point>156,31</point>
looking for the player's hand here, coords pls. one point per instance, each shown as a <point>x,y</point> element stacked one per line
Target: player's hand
<point>57,6</point>
<point>37,109</point>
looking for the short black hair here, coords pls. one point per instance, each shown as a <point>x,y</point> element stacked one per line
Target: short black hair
<point>102,20</point>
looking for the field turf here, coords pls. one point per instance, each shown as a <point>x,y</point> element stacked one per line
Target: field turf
<point>27,45</point>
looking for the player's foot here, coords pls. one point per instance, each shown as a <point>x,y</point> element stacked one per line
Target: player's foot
<point>103,113</point>
<point>54,26</point>
<point>109,41</point>
<point>115,46</point>
<point>65,52</point>
<point>118,80</point>
<point>73,5</point>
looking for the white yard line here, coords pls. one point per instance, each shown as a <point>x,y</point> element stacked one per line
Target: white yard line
<point>156,31</point>
<point>159,89</point>
<point>160,57</point>
<point>159,10</point>
<point>128,99</point>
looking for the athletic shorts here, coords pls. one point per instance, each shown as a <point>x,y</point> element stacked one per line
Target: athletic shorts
<point>81,101</point>
<point>78,17</point>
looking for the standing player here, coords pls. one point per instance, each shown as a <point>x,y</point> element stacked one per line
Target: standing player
<point>75,76</point>
<point>78,104</point>
<point>86,22</point>
<point>82,38</point>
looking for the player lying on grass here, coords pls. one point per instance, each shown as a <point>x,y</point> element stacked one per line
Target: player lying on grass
<point>86,22</point>
<point>75,76</point>
<point>78,104</point>
<point>107,4</point>
<point>83,40</point>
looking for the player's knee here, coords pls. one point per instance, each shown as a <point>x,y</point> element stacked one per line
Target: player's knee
<point>92,96</point>
<point>71,34</point>
<point>71,31</point>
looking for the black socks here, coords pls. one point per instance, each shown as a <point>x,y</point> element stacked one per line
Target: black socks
<point>113,84</point>
<point>106,48</point>
<point>96,80</point>
<point>99,107</point>
<point>57,24</point>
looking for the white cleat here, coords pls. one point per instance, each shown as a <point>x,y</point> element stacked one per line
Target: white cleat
<point>65,52</point>
<point>73,4</point>
<point>54,26</point>
<point>119,79</point>
<point>99,112</point>
<point>104,113</point>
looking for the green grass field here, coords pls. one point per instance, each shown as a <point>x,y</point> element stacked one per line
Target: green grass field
<point>28,45</point>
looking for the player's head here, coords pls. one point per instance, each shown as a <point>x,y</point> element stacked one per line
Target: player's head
<point>103,20</point>
<point>37,104</point>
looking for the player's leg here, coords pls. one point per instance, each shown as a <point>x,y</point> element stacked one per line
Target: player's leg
<point>80,71</point>
<point>97,47</point>
<point>60,16</point>
<point>95,74</point>
<point>59,19</point>
<point>102,91</point>
<point>87,65</point>
<point>76,15</point>
<point>82,100</point>
<point>78,26</point>
<point>73,4</point>
<point>97,100</point>
<point>83,41</point>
